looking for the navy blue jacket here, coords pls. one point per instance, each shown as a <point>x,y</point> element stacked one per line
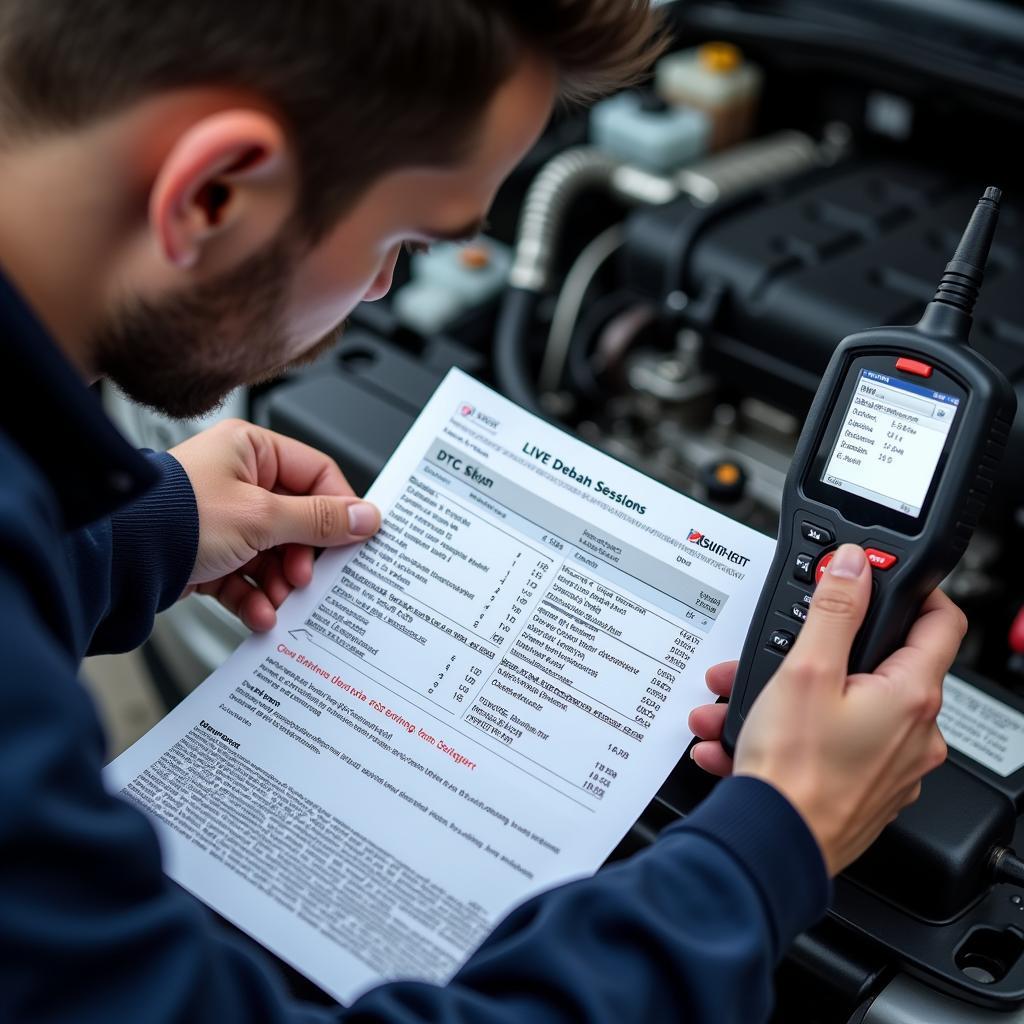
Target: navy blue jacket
<point>95,539</point>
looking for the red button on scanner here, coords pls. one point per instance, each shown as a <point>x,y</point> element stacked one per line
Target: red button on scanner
<point>913,366</point>
<point>1017,633</point>
<point>880,559</point>
<point>825,562</point>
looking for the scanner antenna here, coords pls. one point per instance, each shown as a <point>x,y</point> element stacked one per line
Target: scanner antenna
<point>949,314</point>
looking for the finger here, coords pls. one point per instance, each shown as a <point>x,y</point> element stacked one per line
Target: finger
<point>297,562</point>
<point>835,615</point>
<point>262,570</point>
<point>227,590</point>
<point>265,571</point>
<point>283,462</point>
<point>242,599</point>
<point>257,612</point>
<point>321,521</point>
<point>719,678</point>
<point>708,721</point>
<point>253,569</point>
<point>932,643</point>
<point>712,758</point>
<point>272,581</point>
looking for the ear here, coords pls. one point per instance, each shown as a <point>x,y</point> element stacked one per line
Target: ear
<point>224,190</point>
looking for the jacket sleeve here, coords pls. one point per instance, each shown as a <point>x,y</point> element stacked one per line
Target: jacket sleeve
<point>135,563</point>
<point>93,931</point>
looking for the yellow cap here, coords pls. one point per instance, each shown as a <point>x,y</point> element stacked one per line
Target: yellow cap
<point>728,474</point>
<point>721,58</point>
<point>475,257</point>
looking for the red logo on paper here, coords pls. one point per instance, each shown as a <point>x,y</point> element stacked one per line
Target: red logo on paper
<point>467,410</point>
<point>698,539</point>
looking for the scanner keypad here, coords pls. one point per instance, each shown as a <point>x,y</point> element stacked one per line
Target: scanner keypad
<point>803,567</point>
<point>816,534</point>
<point>815,546</point>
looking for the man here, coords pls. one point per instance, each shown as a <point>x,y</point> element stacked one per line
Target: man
<point>192,194</point>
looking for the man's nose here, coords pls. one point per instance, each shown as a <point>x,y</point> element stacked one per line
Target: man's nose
<point>382,283</point>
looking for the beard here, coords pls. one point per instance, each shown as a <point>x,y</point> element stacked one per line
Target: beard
<point>183,356</point>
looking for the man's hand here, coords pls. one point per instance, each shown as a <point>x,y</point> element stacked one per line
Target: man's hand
<point>848,752</point>
<point>265,502</point>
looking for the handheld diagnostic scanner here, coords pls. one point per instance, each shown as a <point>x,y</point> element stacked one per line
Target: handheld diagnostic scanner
<point>898,454</point>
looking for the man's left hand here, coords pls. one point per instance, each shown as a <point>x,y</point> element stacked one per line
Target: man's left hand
<point>265,503</point>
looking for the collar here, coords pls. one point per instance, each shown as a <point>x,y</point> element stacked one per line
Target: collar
<point>59,424</point>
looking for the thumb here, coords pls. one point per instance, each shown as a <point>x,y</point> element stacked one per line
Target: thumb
<point>837,611</point>
<point>320,520</point>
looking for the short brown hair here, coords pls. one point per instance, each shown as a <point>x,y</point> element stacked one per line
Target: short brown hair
<point>363,85</point>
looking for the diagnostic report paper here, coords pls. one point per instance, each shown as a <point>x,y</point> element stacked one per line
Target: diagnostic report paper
<point>470,708</point>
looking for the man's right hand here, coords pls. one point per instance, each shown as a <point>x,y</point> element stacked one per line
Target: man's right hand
<point>849,752</point>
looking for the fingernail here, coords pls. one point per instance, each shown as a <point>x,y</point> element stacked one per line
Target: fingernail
<point>693,753</point>
<point>362,519</point>
<point>849,563</point>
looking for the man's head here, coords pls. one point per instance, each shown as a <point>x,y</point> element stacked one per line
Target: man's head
<point>236,178</point>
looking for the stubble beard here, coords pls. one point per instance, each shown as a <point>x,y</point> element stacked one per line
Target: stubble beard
<point>183,356</point>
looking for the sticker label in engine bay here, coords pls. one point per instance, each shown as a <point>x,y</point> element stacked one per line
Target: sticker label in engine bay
<point>472,707</point>
<point>981,727</point>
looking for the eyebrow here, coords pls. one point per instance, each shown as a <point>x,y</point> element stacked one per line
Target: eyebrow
<point>463,234</point>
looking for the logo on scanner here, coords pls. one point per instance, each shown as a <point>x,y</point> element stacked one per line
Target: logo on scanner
<point>698,539</point>
<point>469,412</point>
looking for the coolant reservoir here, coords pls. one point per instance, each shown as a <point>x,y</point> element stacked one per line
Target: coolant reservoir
<point>716,79</point>
<point>645,131</point>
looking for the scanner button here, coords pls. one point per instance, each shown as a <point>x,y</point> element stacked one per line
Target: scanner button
<point>881,560</point>
<point>826,561</point>
<point>803,568</point>
<point>781,641</point>
<point>918,369</point>
<point>799,612</point>
<point>816,534</point>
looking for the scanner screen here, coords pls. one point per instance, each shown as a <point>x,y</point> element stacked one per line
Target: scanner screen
<point>891,441</point>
